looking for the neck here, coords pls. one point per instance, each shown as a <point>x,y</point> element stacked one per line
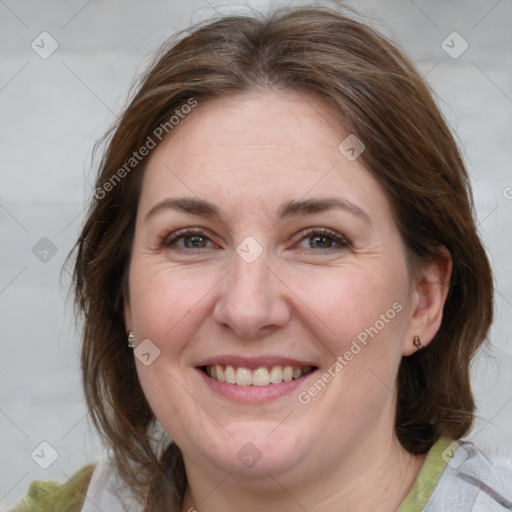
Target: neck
<point>376,477</point>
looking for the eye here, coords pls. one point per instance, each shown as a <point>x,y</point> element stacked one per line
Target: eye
<point>322,238</point>
<point>188,239</point>
<point>316,239</point>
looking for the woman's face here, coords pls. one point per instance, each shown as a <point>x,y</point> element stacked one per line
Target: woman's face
<point>264,256</point>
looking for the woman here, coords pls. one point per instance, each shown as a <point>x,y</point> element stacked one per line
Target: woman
<point>280,272</point>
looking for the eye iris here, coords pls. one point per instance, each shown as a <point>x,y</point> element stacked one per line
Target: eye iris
<point>321,241</point>
<point>193,242</point>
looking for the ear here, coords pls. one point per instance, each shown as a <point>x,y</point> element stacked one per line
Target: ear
<point>428,300</point>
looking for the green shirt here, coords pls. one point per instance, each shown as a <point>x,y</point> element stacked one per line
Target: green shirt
<point>427,478</point>
<point>54,497</point>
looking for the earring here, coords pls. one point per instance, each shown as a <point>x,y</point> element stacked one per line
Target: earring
<point>131,339</point>
<point>417,342</point>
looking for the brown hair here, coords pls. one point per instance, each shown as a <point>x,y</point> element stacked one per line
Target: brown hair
<point>380,97</point>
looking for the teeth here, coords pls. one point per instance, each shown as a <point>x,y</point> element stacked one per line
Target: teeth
<point>243,377</point>
<point>260,377</point>
<point>276,375</point>
<point>230,375</point>
<point>287,373</point>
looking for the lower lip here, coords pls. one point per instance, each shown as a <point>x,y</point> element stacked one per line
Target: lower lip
<point>252,394</point>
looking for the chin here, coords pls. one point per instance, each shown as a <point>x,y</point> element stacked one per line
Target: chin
<point>256,450</point>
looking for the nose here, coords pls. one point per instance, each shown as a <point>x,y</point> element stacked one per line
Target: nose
<point>252,300</point>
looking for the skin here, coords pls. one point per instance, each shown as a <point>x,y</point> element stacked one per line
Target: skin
<point>303,297</point>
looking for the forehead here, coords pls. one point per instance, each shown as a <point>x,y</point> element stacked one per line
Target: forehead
<point>258,149</point>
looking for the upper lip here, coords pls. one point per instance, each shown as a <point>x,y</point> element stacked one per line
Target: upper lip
<point>254,362</point>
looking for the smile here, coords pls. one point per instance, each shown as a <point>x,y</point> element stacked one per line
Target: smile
<point>264,376</point>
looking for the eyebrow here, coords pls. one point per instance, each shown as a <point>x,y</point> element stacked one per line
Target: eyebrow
<point>187,205</point>
<point>292,208</point>
<point>310,206</point>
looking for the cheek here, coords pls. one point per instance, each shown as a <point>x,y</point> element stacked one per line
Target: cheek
<point>363,321</point>
<point>165,304</point>
<point>163,299</point>
<point>350,300</point>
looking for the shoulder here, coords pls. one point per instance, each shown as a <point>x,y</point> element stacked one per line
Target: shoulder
<point>470,482</point>
<point>54,497</point>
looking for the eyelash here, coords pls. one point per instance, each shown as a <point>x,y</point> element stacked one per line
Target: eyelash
<point>168,240</point>
<point>342,242</point>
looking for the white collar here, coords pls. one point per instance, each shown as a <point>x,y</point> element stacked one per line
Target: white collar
<point>106,492</point>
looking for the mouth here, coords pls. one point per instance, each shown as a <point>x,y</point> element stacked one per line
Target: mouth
<point>263,376</point>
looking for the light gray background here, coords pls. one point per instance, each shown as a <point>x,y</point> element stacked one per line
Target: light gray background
<point>54,109</point>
